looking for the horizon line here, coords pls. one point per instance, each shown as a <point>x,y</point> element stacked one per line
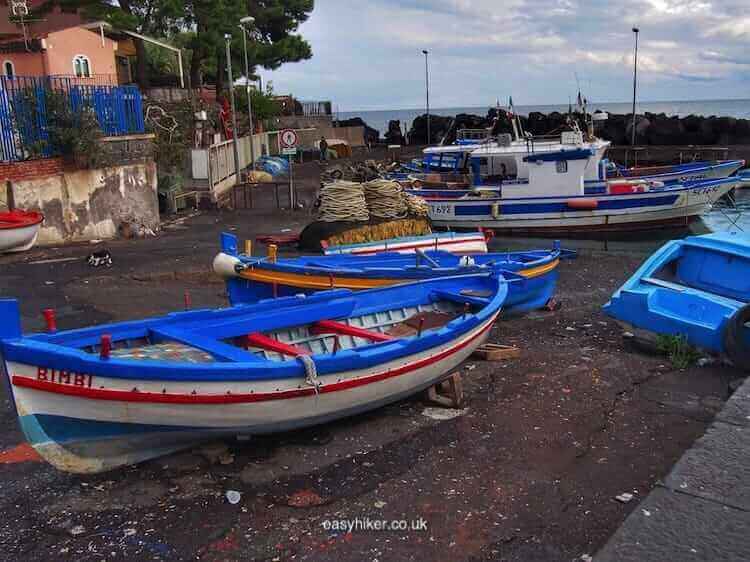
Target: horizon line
<point>490,106</point>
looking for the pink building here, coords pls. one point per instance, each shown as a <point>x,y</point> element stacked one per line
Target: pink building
<point>75,51</point>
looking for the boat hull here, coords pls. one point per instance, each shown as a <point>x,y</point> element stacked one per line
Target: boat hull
<point>691,288</point>
<point>532,290</point>
<point>457,243</point>
<point>124,421</point>
<point>636,211</point>
<point>18,239</point>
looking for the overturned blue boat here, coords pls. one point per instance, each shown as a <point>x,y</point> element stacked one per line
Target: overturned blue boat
<point>698,288</point>
<point>532,275</point>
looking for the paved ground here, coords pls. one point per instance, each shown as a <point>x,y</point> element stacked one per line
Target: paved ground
<point>702,509</point>
<point>528,471</point>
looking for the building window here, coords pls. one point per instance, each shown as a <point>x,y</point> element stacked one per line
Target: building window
<point>562,166</point>
<point>81,66</point>
<point>8,69</point>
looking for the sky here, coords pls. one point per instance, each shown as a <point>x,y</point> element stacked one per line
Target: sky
<point>367,55</point>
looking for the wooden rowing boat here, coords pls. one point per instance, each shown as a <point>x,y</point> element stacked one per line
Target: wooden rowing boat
<point>93,399</point>
<point>533,274</point>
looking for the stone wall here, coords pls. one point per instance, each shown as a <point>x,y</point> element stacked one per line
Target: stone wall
<point>84,205</point>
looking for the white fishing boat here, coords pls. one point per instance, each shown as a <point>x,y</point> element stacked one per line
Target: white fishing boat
<point>554,199</point>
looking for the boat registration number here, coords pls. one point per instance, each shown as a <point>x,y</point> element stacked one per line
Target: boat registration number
<point>63,377</point>
<point>442,210</point>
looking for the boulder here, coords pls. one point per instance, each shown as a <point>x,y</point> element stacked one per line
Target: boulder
<point>394,135</point>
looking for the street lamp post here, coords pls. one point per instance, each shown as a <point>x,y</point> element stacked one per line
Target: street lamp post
<point>635,74</point>
<point>228,39</point>
<point>248,20</point>
<point>427,92</point>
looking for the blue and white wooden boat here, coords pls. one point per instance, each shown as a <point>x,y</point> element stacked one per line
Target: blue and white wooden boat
<point>455,242</point>
<point>532,275</point>
<point>676,173</point>
<point>698,288</point>
<point>93,399</point>
<point>553,200</point>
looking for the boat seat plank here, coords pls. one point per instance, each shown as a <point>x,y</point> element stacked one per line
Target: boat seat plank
<point>682,288</point>
<point>220,350</point>
<point>331,326</point>
<point>665,284</point>
<point>459,298</point>
<point>270,344</point>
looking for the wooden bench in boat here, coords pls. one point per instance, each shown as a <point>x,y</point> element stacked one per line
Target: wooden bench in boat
<point>333,327</point>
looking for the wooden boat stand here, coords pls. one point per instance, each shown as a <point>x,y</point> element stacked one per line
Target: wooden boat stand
<point>448,393</point>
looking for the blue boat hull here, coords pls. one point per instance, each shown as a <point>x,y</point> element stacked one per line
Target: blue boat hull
<point>692,288</point>
<point>532,275</point>
<point>524,295</point>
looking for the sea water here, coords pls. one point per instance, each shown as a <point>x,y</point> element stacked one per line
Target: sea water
<point>720,108</point>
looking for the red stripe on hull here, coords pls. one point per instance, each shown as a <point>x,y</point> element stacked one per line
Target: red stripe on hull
<point>159,398</point>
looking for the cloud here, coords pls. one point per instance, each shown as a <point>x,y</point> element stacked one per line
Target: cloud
<point>369,55</point>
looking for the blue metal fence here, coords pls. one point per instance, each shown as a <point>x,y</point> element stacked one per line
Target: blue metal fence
<point>23,111</point>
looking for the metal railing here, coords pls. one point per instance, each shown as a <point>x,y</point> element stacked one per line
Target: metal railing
<point>314,108</point>
<point>25,105</point>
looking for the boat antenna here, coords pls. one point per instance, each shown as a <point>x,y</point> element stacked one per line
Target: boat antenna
<point>513,118</point>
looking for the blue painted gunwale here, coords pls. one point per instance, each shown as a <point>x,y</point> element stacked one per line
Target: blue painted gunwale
<point>689,167</point>
<point>202,328</point>
<point>701,302</point>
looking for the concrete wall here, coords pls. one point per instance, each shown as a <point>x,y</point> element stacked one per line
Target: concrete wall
<point>309,138</point>
<point>303,121</point>
<point>84,205</point>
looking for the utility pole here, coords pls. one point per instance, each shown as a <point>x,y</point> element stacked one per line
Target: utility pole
<point>635,74</point>
<point>248,20</point>
<point>228,39</point>
<point>427,88</point>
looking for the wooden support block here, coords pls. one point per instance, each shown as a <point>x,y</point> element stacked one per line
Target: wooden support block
<point>451,393</point>
<point>496,352</point>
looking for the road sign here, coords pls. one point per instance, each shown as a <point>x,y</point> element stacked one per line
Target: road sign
<point>288,138</point>
<point>287,151</point>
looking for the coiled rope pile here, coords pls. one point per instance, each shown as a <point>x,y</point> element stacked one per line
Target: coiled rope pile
<point>343,201</point>
<point>385,199</point>
<point>416,206</point>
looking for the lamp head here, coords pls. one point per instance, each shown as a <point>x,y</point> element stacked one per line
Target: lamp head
<point>424,52</point>
<point>227,36</point>
<point>247,20</point>
<point>636,30</point>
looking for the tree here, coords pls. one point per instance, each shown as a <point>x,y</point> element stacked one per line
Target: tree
<point>204,23</point>
<point>273,41</point>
